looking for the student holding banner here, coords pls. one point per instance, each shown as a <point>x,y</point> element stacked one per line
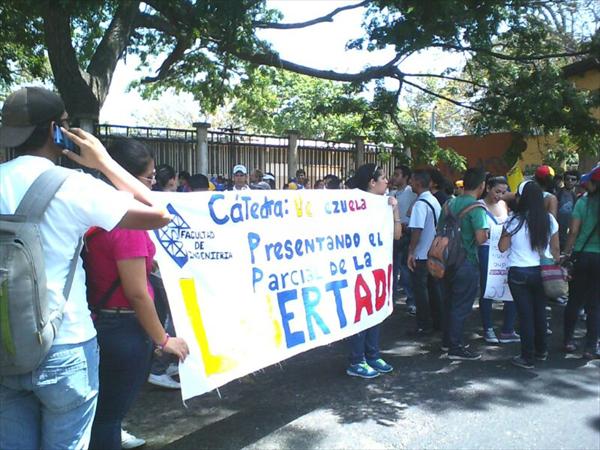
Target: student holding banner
<point>365,360</point>
<point>497,213</point>
<point>118,264</point>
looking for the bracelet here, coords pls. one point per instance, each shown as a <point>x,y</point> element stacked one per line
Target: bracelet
<point>162,346</point>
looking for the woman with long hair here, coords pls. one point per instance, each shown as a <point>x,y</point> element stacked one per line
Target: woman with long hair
<point>583,248</point>
<point>497,213</point>
<point>365,360</point>
<point>531,234</point>
<point>118,264</point>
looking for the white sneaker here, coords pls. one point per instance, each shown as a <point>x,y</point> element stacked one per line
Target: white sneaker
<point>128,440</point>
<point>172,370</point>
<point>163,380</point>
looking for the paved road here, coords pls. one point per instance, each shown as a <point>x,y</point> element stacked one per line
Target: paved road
<point>308,402</point>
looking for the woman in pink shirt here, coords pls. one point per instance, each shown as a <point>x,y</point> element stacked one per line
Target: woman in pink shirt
<point>118,264</point>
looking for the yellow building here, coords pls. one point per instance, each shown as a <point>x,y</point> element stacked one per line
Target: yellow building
<point>584,74</point>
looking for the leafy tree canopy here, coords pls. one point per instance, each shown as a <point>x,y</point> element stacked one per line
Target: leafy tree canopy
<point>512,80</point>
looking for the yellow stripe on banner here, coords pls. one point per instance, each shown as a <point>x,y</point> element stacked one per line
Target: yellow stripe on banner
<point>277,335</point>
<point>212,363</point>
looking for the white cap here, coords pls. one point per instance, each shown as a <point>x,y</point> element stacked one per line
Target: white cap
<point>268,176</point>
<point>240,168</point>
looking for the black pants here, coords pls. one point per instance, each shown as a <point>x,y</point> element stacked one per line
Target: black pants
<point>584,291</point>
<point>427,294</point>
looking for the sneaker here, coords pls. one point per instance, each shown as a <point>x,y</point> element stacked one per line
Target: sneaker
<point>128,440</point>
<point>490,336</point>
<point>163,380</point>
<point>562,301</point>
<point>592,354</point>
<point>380,365</point>
<point>411,310</point>
<point>507,338</point>
<point>548,331</point>
<point>542,356</point>
<point>172,370</point>
<point>445,348</point>
<point>462,354</point>
<point>362,370</point>
<point>521,362</point>
<point>570,347</point>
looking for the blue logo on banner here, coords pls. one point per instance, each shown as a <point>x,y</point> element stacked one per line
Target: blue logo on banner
<point>169,237</point>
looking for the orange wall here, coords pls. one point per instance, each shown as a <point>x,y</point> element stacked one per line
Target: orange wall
<point>480,151</point>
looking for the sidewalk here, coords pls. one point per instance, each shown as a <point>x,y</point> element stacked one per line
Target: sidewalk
<point>307,402</point>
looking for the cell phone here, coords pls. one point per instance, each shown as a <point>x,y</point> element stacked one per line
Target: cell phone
<point>63,141</point>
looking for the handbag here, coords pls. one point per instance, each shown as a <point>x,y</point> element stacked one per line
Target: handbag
<point>554,279</point>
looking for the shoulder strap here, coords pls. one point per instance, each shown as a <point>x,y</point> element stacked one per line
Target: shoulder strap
<point>432,210</point>
<point>42,190</point>
<point>33,205</point>
<point>467,209</point>
<point>107,295</point>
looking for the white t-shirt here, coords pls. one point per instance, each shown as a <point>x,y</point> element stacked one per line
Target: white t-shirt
<point>521,253</point>
<point>422,217</point>
<point>491,219</point>
<point>405,197</point>
<point>82,202</point>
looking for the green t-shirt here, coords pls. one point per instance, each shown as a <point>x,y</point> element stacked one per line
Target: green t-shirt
<point>475,220</point>
<point>587,211</point>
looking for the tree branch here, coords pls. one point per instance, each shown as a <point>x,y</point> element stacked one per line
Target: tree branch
<point>444,77</point>
<point>273,60</point>
<point>174,56</point>
<point>443,97</point>
<point>522,58</point>
<point>113,44</point>
<point>155,22</point>
<point>309,23</point>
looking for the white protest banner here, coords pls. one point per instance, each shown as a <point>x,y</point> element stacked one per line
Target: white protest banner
<point>255,277</point>
<point>496,287</point>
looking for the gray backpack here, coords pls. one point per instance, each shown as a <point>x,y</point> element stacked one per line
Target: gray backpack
<point>27,326</point>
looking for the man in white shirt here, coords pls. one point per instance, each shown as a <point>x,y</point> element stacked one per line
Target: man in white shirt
<point>405,197</point>
<point>240,178</point>
<point>423,222</point>
<point>53,406</point>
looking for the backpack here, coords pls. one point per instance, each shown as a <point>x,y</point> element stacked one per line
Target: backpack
<point>27,326</point>
<point>447,253</point>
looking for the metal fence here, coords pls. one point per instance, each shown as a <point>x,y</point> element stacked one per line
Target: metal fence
<point>226,148</point>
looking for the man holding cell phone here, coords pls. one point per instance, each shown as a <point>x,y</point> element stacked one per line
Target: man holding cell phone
<point>53,406</point>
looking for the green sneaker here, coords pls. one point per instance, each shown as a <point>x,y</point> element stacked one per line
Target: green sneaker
<point>362,370</point>
<point>380,365</point>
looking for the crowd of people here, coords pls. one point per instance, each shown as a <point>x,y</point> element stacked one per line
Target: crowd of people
<point>116,332</point>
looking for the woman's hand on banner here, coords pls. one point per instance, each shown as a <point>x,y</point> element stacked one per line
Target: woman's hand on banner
<point>178,347</point>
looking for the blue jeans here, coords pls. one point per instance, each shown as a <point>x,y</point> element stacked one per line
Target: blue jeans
<point>460,289</point>
<point>400,268</point>
<point>125,351</point>
<point>427,298</point>
<point>485,304</point>
<point>584,291</point>
<point>526,288</point>
<point>365,345</point>
<point>53,406</point>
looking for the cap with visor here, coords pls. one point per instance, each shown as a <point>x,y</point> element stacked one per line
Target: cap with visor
<point>24,110</point>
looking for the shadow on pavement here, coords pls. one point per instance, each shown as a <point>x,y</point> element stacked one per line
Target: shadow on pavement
<point>284,395</point>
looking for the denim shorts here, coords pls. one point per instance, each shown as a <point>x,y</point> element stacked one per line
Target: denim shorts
<point>53,406</point>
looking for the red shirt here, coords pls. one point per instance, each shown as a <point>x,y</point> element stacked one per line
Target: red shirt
<point>104,249</point>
